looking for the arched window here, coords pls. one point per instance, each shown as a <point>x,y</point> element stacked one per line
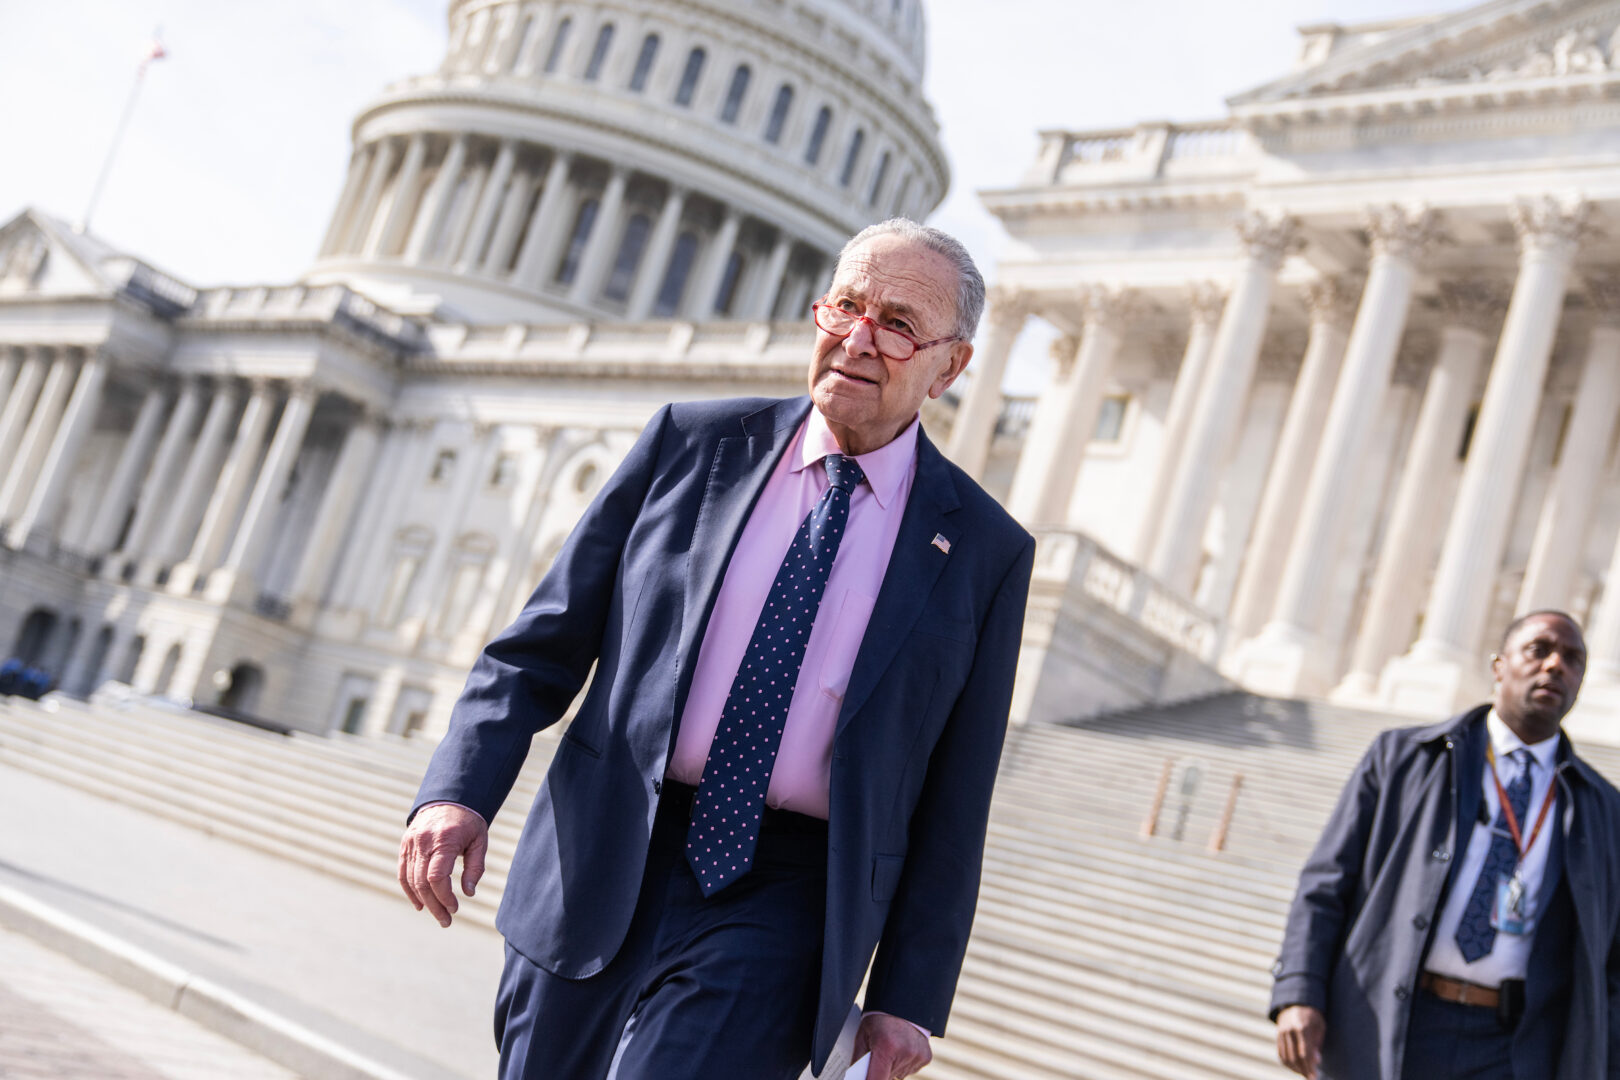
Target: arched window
<point>559,43</point>
<point>411,547</point>
<point>779,114</point>
<point>728,283</point>
<point>735,94</point>
<point>680,268</point>
<point>528,30</point>
<point>623,274</point>
<point>469,560</point>
<point>852,157</point>
<point>690,76</point>
<point>878,178</point>
<point>583,220</point>
<point>644,63</point>
<point>604,41</point>
<point>818,136</point>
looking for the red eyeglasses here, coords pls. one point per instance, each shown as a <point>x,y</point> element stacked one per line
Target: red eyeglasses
<point>894,344</point>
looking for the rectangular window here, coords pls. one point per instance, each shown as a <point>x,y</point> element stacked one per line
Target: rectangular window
<point>1111,420</point>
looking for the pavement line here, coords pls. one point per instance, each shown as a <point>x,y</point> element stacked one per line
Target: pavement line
<point>224,1011</point>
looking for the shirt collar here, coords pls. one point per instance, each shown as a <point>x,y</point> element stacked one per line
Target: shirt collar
<point>1504,742</point>
<point>885,467</point>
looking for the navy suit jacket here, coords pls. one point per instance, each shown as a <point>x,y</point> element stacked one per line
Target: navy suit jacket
<point>917,741</point>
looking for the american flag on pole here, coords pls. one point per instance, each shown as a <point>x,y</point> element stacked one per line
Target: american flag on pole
<point>154,49</point>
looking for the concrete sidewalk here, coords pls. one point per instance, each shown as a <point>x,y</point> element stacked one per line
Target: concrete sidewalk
<point>268,946</point>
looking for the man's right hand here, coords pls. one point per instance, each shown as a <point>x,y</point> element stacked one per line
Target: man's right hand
<point>1300,1030</point>
<point>436,837</point>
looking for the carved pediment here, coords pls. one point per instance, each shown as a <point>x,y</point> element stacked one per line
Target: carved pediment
<point>1500,43</point>
<point>37,259</point>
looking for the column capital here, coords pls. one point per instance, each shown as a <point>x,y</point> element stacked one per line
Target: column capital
<point>1107,307</point>
<point>1473,303</point>
<point>1402,232</point>
<point>1009,305</point>
<point>1205,302</point>
<point>1063,351</point>
<point>1269,237</point>
<point>1331,300</point>
<point>1552,225</point>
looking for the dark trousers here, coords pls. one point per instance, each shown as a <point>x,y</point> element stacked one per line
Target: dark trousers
<point>1448,1041</point>
<point>724,986</point>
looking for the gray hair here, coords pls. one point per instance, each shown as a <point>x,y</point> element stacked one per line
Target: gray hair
<point>969,282</point>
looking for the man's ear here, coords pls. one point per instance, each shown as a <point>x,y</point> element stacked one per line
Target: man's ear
<point>961,353</point>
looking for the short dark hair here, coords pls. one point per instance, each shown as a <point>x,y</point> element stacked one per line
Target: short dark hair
<point>1553,613</point>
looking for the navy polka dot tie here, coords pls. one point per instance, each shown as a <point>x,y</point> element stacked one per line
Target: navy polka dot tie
<point>731,798</point>
<point>1475,934</point>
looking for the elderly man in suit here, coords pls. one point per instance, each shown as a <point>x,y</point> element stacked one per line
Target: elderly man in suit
<point>1460,916</point>
<point>804,622</point>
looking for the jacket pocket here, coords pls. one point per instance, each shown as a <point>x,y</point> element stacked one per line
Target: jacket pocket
<point>886,870</point>
<point>578,743</point>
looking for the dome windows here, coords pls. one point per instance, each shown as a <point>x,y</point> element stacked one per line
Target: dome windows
<point>636,231</point>
<point>818,136</point>
<point>878,178</point>
<point>679,269</point>
<point>852,157</point>
<point>735,94</point>
<point>690,76</point>
<point>599,52</point>
<point>559,44</point>
<point>779,114</point>
<point>644,63</point>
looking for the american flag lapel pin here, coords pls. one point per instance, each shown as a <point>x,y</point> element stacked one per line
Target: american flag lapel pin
<point>942,543</point>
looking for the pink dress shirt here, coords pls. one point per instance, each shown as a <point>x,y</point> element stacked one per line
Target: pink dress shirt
<point>803,770</point>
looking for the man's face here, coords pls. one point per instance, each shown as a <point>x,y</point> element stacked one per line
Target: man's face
<point>1538,673</point>
<point>866,397</point>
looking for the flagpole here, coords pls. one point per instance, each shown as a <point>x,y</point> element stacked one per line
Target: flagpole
<point>154,52</point>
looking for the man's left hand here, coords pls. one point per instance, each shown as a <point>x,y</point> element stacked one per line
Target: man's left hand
<point>898,1049</point>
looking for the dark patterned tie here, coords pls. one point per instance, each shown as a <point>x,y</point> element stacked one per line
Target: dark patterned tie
<point>1475,934</point>
<point>731,798</point>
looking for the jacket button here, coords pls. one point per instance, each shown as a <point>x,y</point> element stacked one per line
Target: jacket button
<point>1421,922</point>
<point>1400,993</point>
<point>658,786</point>
<point>1442,855</point>
<point>1276,968</point>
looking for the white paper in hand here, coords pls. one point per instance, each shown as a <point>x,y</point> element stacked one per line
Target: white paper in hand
<point>857,1071</point>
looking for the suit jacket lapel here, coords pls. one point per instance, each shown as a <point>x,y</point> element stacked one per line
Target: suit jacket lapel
<point>913,568</point>
<point>737,475</point>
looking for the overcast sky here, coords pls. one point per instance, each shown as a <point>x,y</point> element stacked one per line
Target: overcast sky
<point>240,137</point>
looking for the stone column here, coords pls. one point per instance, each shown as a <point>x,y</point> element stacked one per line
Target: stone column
<point>1330,301</point>
<point>1050,466</point>
<point>509,223</point>
<point>38,518</point>
<point>352,186</point>
<point>1219,409</point>
<point>1422,497</point>
<point>1551,574</point>
<point>1444,666</point>
<point>1205,301</point>
<point>156,496</point>
<point>472,247</point>
<point>545,239</point>
<point>767,284</point>
<point>180,520</point>
<point>424,596</point>
<point>1288,658</point>
<point>401,208</point>
<point>37,437</point>
<point>10,361</point>
<point>336,511</point>
<point>240,561</point>
<point>655,260</point>
<point>975,426</point>
<point>600,246</point>
<point>120,493</point>
<point>712,268</point>
<point>14,416</point>
<point>384,154</point>
<point>436,203</point>
<point>225,503</point>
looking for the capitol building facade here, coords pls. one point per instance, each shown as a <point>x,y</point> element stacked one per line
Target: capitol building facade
<point>1335,391</point>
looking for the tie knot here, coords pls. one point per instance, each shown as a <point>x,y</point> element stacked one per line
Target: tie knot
<point>842,472</point>
<point>1525,759</point>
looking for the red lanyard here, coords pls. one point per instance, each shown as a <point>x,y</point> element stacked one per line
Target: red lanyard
<point>1507,807</point>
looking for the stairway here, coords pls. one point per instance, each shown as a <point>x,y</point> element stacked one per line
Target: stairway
<point>1097,953</point>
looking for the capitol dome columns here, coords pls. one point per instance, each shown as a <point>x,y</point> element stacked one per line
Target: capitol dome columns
<point>599,246</point>
<point>1283,659</point>
<point>1219,410</point>
<point>656,257</point>
<point>430,219</point>
<point>1444,667</point>
<point>1470,310</point>
<point>975,424</point>
<point>546,235</point>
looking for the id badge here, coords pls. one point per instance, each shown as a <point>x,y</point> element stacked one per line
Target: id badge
<point>1508,912</point>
